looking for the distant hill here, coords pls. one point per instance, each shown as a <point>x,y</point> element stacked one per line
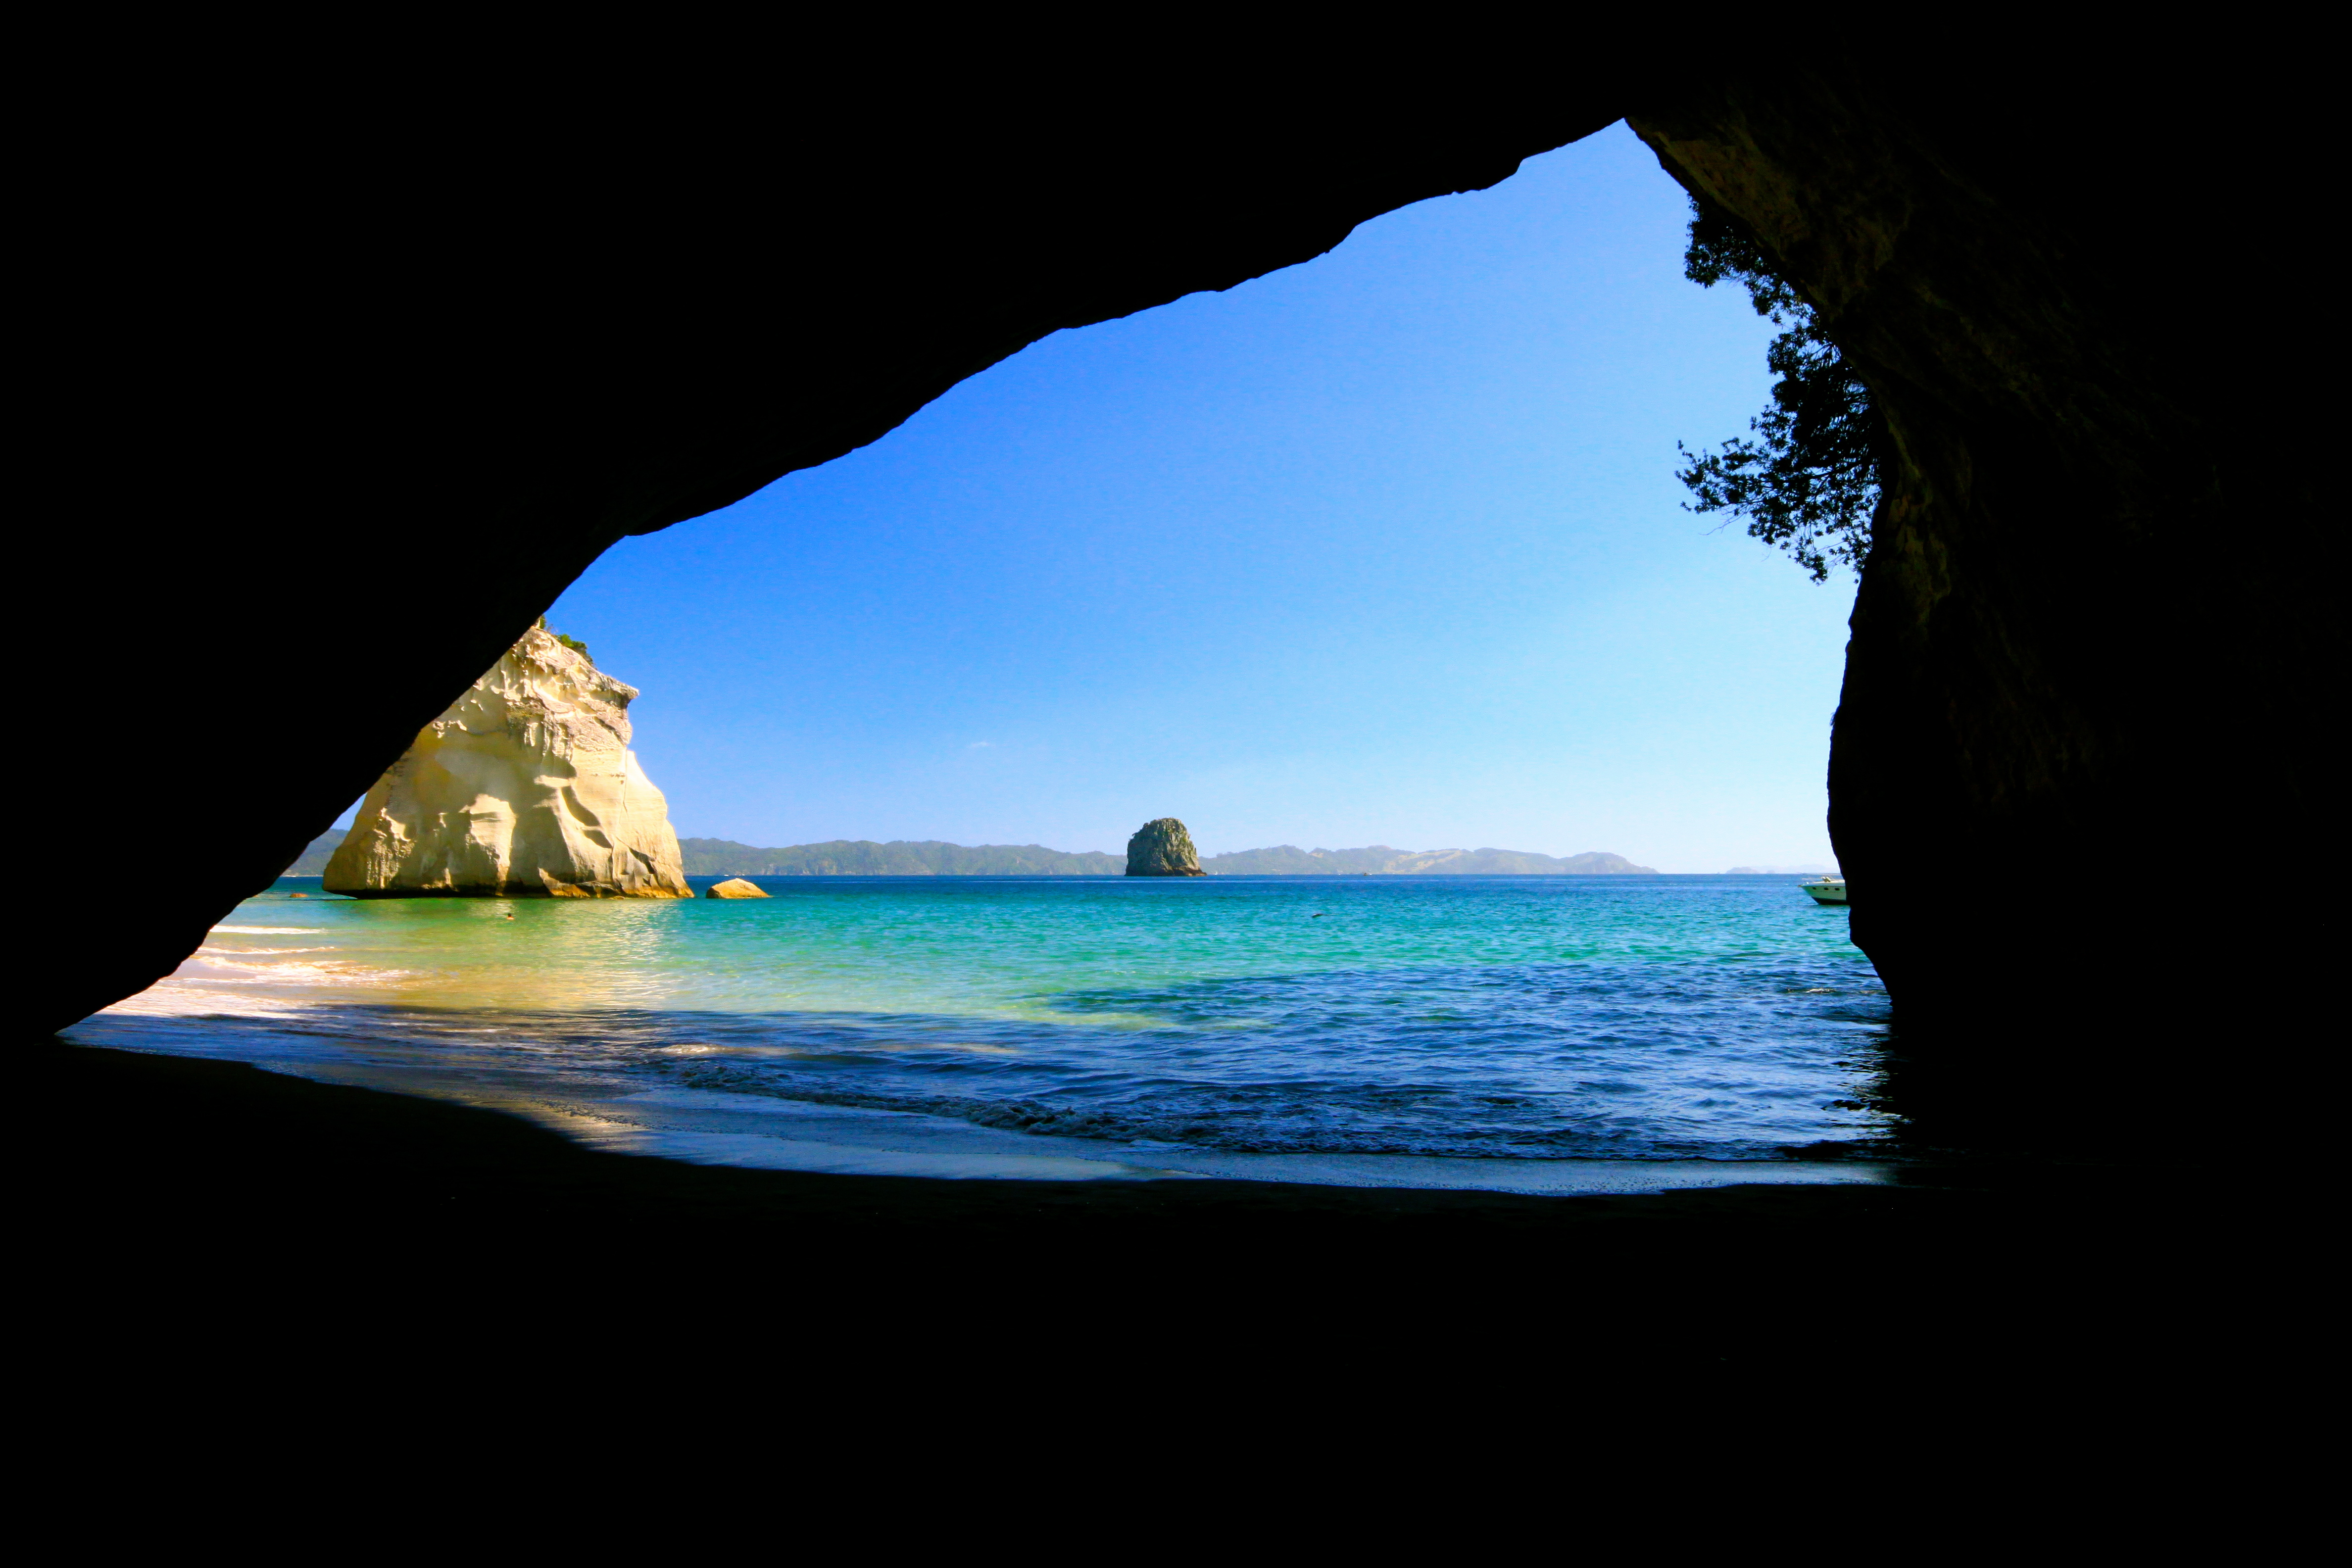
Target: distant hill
<point>843,858</point>
<point>313,861</point>
<point>931,858</point>
<point>1379,860</point>
<point>863,858</point>
<point>899,857</point>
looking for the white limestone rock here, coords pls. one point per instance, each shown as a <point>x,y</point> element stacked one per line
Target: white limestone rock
<point>526,788</point>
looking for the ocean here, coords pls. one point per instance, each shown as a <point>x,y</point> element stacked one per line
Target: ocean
<point>1536,1035</point>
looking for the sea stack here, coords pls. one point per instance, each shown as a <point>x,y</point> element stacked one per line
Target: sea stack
<point>525,788</point>
<point>1162,849</point>
<point>734,887</point>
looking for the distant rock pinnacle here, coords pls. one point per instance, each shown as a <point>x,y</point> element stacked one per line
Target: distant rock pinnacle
<point>1162,849</point>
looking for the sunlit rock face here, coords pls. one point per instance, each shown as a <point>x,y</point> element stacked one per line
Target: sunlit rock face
<point>526,788</point>
<point>734,887</point>
<point>1162,847</point>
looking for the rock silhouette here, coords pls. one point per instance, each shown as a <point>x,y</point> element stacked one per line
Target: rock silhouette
<point>1161,847</point>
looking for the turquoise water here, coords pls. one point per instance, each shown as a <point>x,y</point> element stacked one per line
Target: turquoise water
<point>1156,1025</point>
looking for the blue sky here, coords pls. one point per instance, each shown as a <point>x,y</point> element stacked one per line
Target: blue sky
<point>1384,548</point>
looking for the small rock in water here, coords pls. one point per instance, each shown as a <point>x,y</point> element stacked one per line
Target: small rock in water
<point>1161,847</point>
<point>733,887</point>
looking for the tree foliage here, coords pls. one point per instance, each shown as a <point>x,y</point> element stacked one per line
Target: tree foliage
<point>1808,482</point>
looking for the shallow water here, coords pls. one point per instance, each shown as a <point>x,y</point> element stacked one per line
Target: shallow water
<point>1525,1034</point>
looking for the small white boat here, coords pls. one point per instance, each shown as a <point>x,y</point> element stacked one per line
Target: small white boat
<point>1826,890</point>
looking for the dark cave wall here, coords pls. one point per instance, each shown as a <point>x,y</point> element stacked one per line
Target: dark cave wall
<point>2084,647</point>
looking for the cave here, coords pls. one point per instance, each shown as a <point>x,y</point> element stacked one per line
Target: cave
<point>401,379</point>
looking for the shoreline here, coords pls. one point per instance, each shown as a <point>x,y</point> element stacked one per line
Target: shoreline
<point>787,1133</point>
<point>223,1195</point>
<point>267,1117</point>
<point>1200,1045</point>
<point>180,1127</point>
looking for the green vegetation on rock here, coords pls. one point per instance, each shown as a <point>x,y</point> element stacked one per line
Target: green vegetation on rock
<point>575,644</point>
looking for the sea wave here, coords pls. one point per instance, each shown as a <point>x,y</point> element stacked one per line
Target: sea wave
<point>257,951</point>
<point>1500,1022</point>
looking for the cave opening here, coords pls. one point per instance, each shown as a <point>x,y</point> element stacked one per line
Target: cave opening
<point>1392,545</point>
<point>2058,568</point>
<point>332,405</point>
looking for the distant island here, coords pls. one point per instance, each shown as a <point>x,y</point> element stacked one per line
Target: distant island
<point>313,861</point>
<point>861,857</point>
<point>899,857</point>
<point>931,858</point>
<point>1379,860</point>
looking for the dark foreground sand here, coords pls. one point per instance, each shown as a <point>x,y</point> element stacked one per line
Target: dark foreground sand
<point>164,1191</point>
